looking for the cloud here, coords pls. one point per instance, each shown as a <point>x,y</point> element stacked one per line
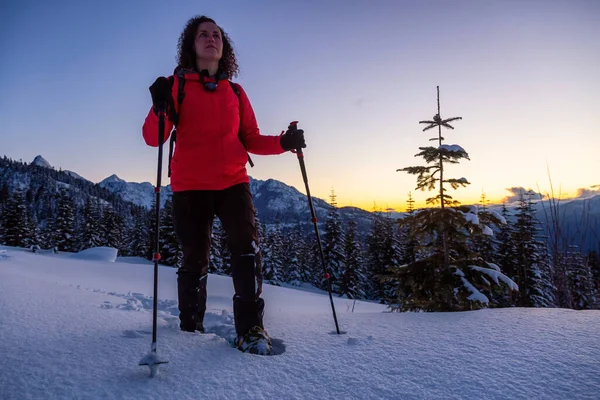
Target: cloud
<point>516,194</point>
<point>593,190</point>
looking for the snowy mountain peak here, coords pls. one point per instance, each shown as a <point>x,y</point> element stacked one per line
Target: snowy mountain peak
<point>112,179</point>
<point>41,162</point>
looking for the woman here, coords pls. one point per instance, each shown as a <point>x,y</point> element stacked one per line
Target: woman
<point>216,128</point>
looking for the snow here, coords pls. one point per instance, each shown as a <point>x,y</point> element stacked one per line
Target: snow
<point>497,215</point>
<point>74,175</point>
<point>472,218</point>
<point>487,230</point>
<point>77,328</point>
<point>475,295</point>
<point>107,254</point>
<point>452,148</point>
<point>495,276</point>
<point>493,266</point>
<point>41,162</point>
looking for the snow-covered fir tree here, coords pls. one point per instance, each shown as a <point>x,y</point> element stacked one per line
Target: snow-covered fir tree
<point>581,280</point>
<point>352,279</point>
<point>224,253</point>
<point>14,221</point>
<point>218,238</point>
<point>374,254</point>
<point>294,260</point>
<point>408,245</point>
<point>151,223</point>
<point>272,256</point>
<point>313,273</point>
<point>505,256</point>
<point>483,245</point>
<point>532,269</point>
<point>64,224</point>
<point>447,276</point>
<point>136,238</point>
<point>333,245</point>
<point>112,228</point>
<point>4,195</point>
<point>170,251</point>
<point>594,262</point>
<point>90,234</point>
<point>32,231</point>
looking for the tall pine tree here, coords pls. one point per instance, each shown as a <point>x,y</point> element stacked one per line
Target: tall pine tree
<point>447,276</point>
<point>532,268</point>
<point>333,245</point>
<point>90,234</point>
<point>352,279</point>
<point>64,224</point>
<point>14,220</point>
<point>169,247</point>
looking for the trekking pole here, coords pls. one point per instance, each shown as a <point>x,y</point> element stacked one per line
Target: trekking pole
<point>152,360</point>
<point>326,274</point>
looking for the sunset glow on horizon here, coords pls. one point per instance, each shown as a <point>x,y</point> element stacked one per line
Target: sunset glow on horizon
<point>523,75</point>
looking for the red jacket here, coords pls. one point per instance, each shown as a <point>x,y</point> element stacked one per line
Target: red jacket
<point>208,153</point>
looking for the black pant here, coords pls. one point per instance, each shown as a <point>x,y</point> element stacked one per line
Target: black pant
<point>193,213</point>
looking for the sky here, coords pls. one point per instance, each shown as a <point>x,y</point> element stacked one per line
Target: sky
<point>357,75</point>
<point>97,322</point>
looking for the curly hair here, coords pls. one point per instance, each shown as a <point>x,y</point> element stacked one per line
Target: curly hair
<point>186,54</point>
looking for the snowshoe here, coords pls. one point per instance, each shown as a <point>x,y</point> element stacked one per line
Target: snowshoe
<point>191,326</point>
<point>256,341</point>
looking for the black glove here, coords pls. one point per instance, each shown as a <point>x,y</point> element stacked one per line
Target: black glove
<point>292,139</point>
<point>161,93</point>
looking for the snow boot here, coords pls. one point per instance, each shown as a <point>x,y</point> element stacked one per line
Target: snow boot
<point>256,341</point>
<point>191,291</point>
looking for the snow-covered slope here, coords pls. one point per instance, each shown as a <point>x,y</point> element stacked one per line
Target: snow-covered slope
<point>76,328</point>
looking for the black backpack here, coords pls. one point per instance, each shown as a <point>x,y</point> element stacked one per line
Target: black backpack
<point>174,117</point>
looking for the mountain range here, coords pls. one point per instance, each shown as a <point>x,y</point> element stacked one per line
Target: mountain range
<point>277,202</point>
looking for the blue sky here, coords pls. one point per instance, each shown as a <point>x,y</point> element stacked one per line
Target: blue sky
<point>357,75</point>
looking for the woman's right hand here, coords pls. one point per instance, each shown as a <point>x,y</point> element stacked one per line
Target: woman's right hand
<point>161,93</point>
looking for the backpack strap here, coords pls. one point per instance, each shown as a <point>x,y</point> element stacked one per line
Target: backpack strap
<point>174,115</point>
<point>236,90</point>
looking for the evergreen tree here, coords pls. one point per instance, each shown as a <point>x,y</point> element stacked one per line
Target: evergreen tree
<point>64,224</point>
<point>169,247</point>
<point>294,261</point>
<point>4,195</point>
<point>112,226</point>
<point>447,276</point>
<point>218,239</point>
<point>151,232</point>
<point>505,256</point>
<point>136,240</point>
<point>580,280</point>
<point>374,260</point>
<point>333,246</point>
<point>483,245</point>
<point>535,283</point>
<point>90,232</point>
<point>225,262</point>
<point>313,273</point>
<point>32,232</point>
<point>408,245</point>
<point>352,278</point>
<point>272,256</point>
<point>594,263</point>
<point>14,221</point>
